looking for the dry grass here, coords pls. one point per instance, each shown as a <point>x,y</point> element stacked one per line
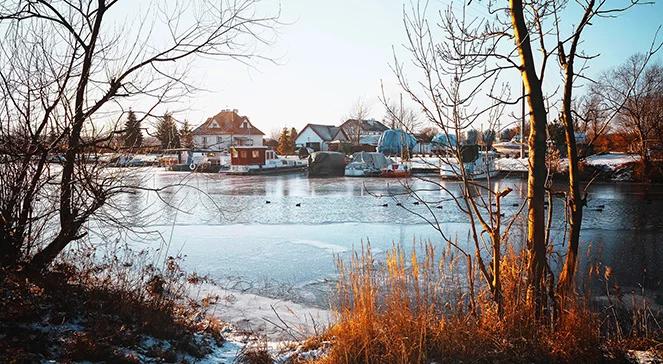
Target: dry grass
<point>255,354</point>
<point>415,309</point>
<point>115,303</point>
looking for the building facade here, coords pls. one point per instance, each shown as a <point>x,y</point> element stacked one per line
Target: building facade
<point>224,130</point>
<point>319,137</point>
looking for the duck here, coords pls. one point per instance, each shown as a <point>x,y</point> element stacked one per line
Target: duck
<point>385,205</point>
<point>268,201</point>
<point>415,203</point>
<point>299,205</point>
<point>399,204</point>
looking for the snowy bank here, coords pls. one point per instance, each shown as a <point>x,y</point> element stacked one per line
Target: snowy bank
<point>271,318</point>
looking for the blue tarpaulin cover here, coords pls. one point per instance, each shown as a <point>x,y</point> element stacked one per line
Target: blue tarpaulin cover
<point>445,140</point>
<point>394,141</point>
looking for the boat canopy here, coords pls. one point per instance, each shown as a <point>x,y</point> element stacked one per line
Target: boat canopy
<point>445,140</point>
<point>326,164</point>
<point>373,160</point>
<point>394,141</point>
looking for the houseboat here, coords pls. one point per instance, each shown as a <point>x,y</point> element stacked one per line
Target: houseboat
<point>248,160</point>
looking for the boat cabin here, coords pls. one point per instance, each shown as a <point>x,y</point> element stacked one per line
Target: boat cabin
<point>250,155</point>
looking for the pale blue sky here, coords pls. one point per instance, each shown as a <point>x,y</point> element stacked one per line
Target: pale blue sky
<point>333,52</point>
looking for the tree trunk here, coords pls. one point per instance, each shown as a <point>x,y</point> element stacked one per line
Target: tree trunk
<point>575,203</point>
<point>536,244</point>
<point>575,198</point>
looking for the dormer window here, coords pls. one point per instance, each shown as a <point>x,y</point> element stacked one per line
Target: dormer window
<point>245,125</point>
<point>213,124</point>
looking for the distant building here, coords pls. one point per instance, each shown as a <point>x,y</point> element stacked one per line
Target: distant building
<point>319,137</point>
<point>363,132</point>
<point>226,129</point>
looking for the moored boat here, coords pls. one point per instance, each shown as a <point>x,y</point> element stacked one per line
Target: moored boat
<point>326,164</point>
<point>366,164</point>
<point>475,163</point>
<point>249,160</point>
<point>397,170</point>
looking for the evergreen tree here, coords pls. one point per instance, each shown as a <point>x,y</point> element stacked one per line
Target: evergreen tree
<point>293,137</point>
<point>167,132</point>
<point>133,136</point>
<point>186,135</point>
<point>284,143</point>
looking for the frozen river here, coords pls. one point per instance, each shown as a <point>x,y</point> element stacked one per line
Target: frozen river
<point>278,235</point>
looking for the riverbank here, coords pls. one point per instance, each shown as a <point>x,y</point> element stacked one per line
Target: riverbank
<point>63,318</point>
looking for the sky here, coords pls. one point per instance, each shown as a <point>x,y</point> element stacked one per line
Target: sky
<point>328,54</point>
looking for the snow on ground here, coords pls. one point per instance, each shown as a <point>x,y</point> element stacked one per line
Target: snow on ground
<point>611,160</point>
<point>271,318</point>
<point>511,164</point>
<point>255,321</point>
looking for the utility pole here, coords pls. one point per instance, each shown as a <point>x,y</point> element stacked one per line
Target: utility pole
<point>522,125</point>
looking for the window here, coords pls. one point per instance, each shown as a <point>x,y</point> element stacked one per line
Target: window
<point>242,154</point>
<point>213,124</point>
<point>219,139</point>
<point>244,125</point>
<point>255,154</point>
<point>204,141</point>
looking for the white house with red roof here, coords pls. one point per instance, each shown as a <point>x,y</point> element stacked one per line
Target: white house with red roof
<point>226,129</point>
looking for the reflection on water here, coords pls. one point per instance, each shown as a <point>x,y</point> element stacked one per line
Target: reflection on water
<point>251,227</point>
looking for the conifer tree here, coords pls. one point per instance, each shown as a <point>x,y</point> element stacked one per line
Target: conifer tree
<point>167,132</point>
<point>133,136</point>
<point>186,135</point>
<point>284,143</point>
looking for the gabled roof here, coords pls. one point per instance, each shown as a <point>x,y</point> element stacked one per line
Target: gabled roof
<point>326,132</point>
<point>370,125</point>
<point>227,122</point>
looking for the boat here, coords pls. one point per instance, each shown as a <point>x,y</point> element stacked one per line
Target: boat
<point>188,160</point>
<point>511,148</point>
<point>396,142</point>
<point>401,169</point>
<point>250,160</point>
<point>367,164</point>
<point>476,163</point>
<point>326,164</point>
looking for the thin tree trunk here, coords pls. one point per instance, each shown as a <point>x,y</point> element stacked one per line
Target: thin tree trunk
<point>536,245</point>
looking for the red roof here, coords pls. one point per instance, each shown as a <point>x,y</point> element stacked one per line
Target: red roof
<point>227,122</point>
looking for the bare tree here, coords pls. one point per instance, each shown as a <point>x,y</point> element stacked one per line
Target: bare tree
<point>400,116</point>
<point>523,36</point>
<point>633,92</point>
<point>455,74</point>
<point>68,65</point>
<point>355,120</point>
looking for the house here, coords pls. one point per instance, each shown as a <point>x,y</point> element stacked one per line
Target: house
<point>319,137</point>
<point>224,130</point>
<point>364,132</point>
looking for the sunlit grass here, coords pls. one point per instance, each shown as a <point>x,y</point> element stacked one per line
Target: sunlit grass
<point>417,308</point>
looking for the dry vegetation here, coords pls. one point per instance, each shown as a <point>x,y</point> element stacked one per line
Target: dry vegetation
<point>121,310</point>
<point>417,309</point>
